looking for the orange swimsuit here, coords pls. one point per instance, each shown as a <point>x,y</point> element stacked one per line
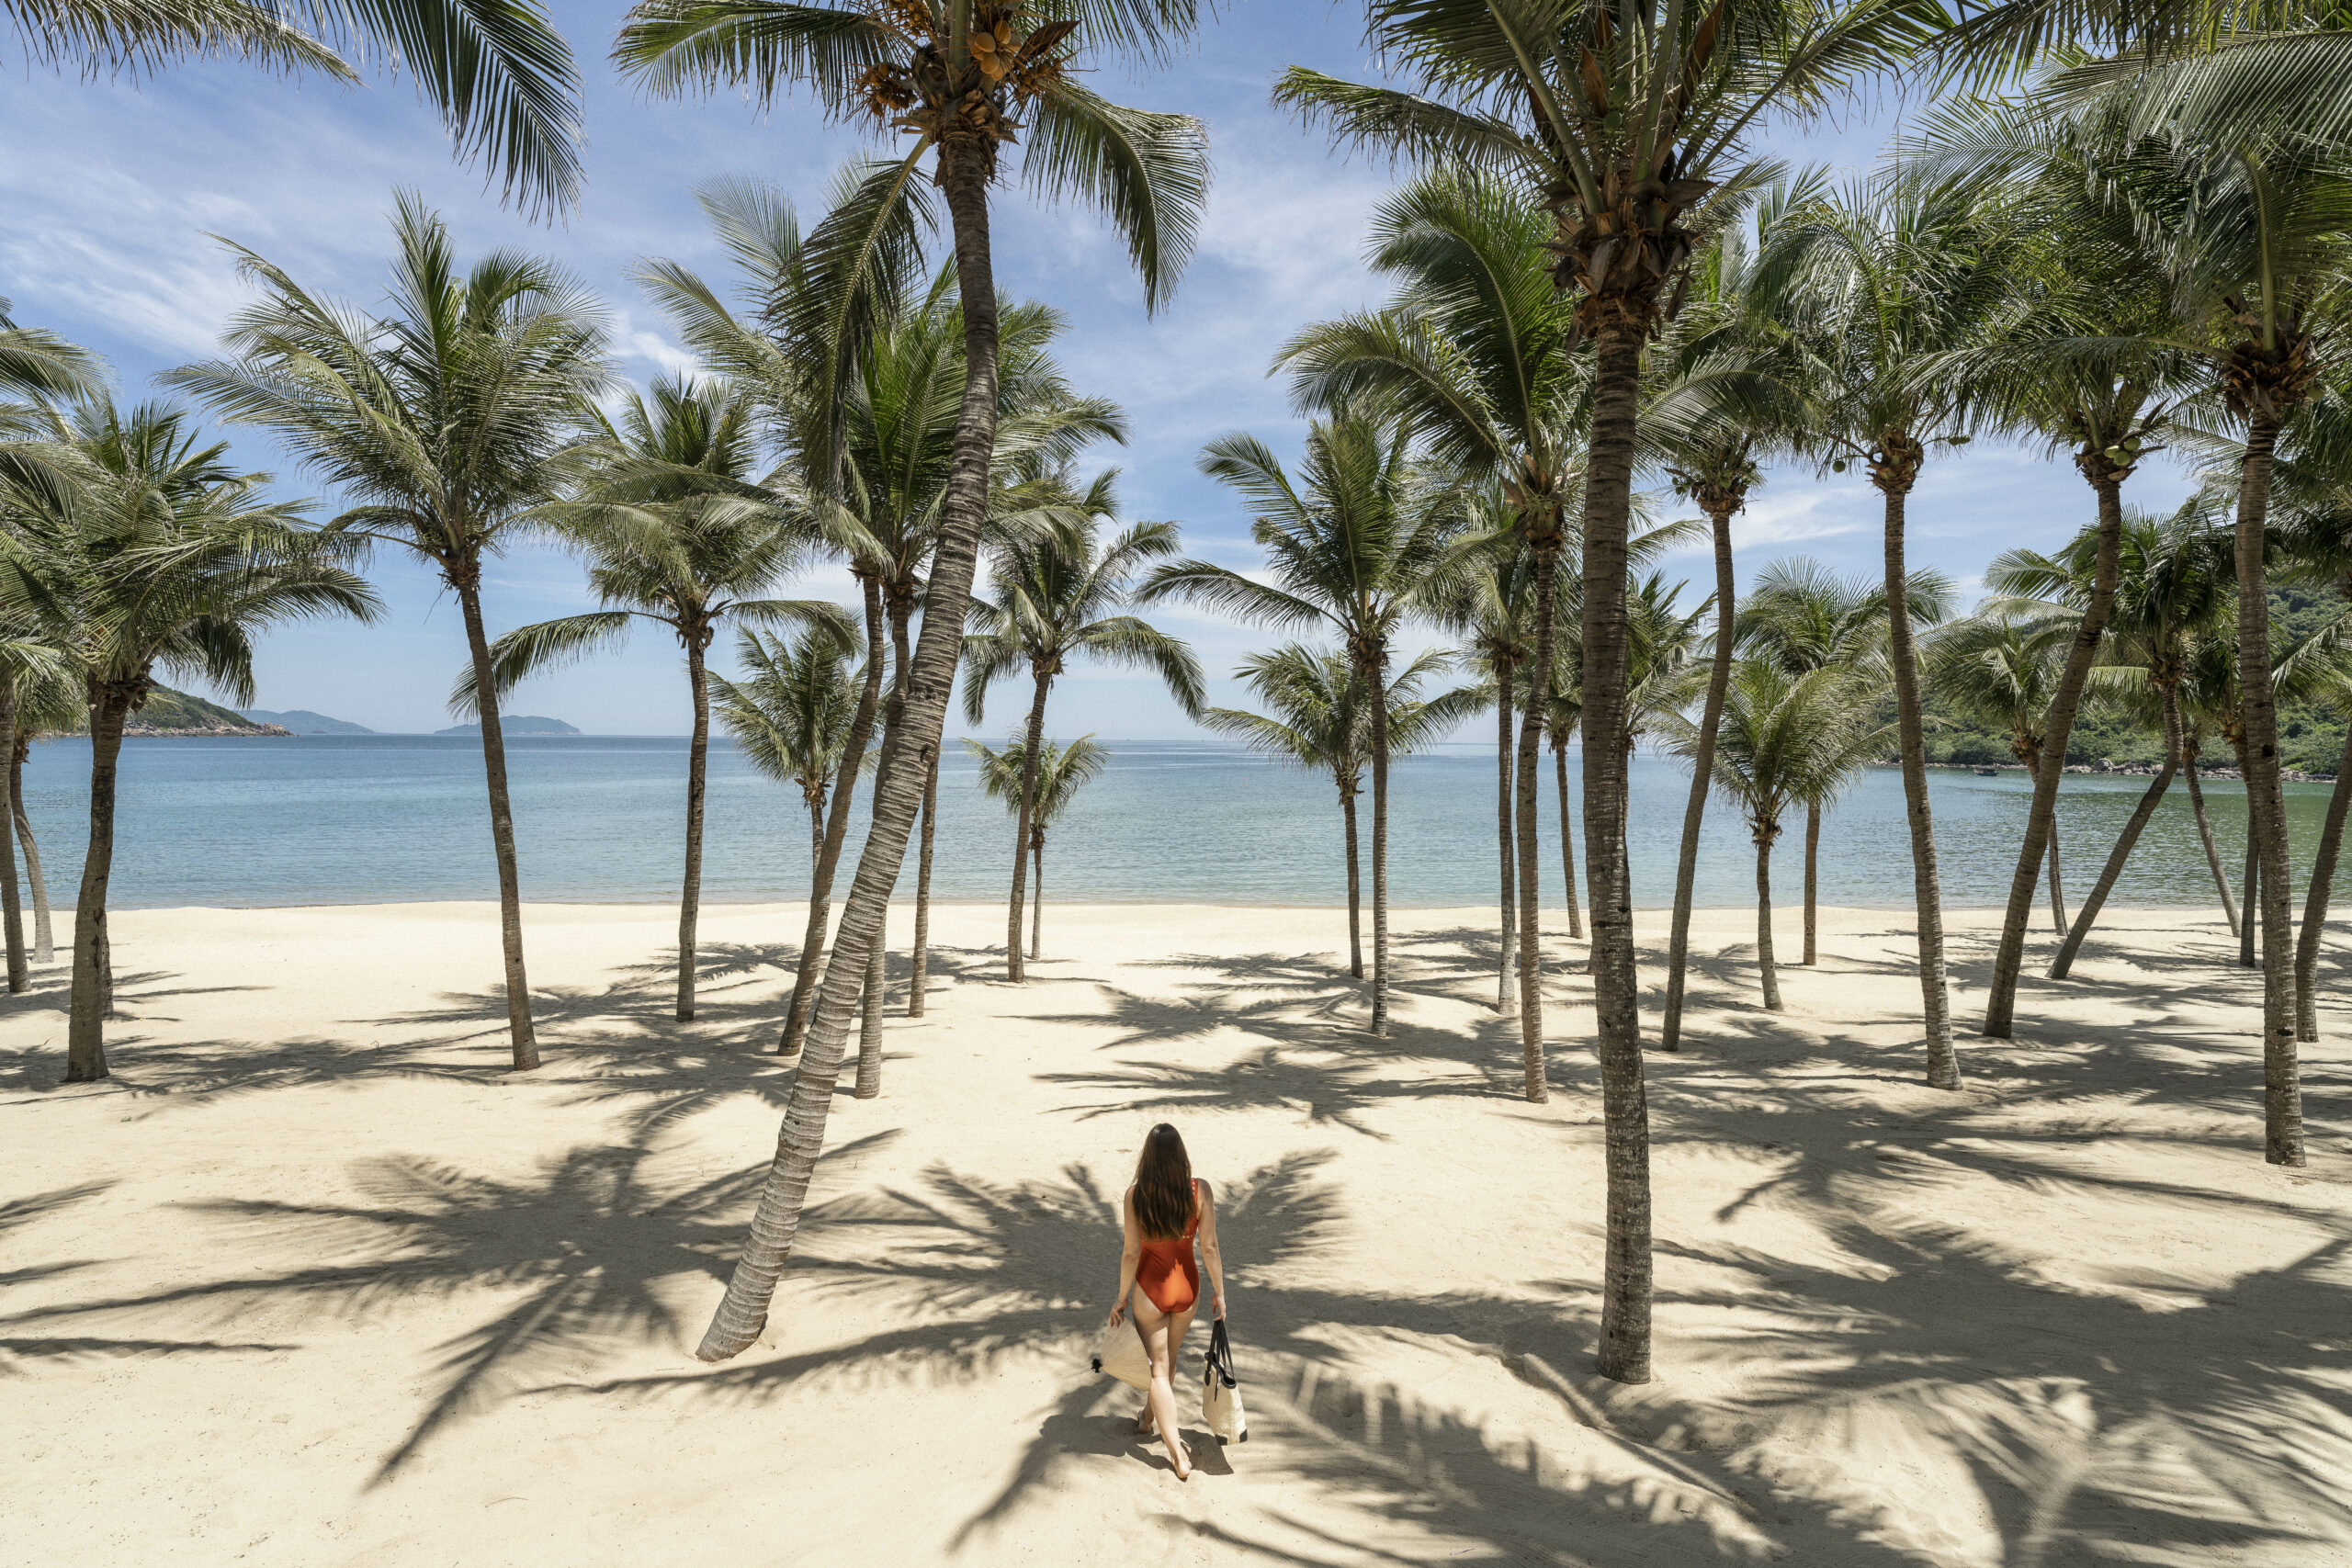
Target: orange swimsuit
<point>1167,1273</point>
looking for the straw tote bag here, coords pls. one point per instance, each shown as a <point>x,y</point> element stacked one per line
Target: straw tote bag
<point>1120,1354</point>
<point>1221,1409</point>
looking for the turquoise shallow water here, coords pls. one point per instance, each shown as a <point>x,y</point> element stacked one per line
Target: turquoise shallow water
<point>389,817</point>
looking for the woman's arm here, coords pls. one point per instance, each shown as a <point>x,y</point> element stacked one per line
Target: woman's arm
<point>1208,1245</point>
<point>1130,1253</point>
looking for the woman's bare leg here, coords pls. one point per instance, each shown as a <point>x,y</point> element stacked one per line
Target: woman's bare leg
<point>1163,1336</point>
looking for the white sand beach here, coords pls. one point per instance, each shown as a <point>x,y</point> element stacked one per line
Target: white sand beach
<point>313,1281</point>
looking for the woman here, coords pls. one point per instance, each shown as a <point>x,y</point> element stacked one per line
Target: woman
<point>1165,1208</point>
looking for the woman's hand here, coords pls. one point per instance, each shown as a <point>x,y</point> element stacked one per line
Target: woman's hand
<point>1220,1309</point>
<point>1118,1311</point>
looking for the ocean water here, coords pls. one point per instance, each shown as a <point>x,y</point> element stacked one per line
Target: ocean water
<point>331,820</point>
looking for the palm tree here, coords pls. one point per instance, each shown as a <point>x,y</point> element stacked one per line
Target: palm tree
<point>1054,782</point>
<point>1477,353</point>
<point>1882,285</point>
<point>497,71</point>
<point>166,557</point>
<point>27,663</point>
<point>790,714</point>
<point>1786,738</point>
<point>2003,669</point>
<point>449,421</point>
<point>1632,121</point>
<point>1356,548</point>
<point>1321,722</point>
<point>1802,617</point>
<point>959,82</point>
<point>677,531</point>
<point>1055,595</point>
<point>1560,716</point>
<point>47,704</point>
<point>35,362</point>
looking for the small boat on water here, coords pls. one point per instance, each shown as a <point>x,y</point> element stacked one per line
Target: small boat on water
<point>1990,772</point>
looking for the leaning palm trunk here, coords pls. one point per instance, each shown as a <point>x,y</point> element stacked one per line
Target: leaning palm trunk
<point>923,893</point>
<point>2282,1097</point>
<point>1376,678</point>
<point>1524,795</point>
<point>1567,838</point>
<point>1037,900</point>
<point>869,1016</point>
<point>2057,887</point>
<point>2247,958</point>
<point>2042,818</point>
<point>1686,865</point>
<point>1507,982</point>
<point>44,941</point>
<point>2315,900</point>
<point>1626,1270</point>
<point>697,777</point>
<point>1355,888</point>
<point>2089,914</point>
<point>1812,877</point>
<point>86,1049</point>
<point>523,1037</point>
<point>964,171</point>
<point>1034,739</point>
<point>820,881</point>
<point>1944,1061</point>
<point>1765,834</point>
<point>12,910</point>
<point>2205,834</point>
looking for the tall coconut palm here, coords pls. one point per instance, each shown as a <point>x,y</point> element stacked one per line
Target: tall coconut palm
<point>30,668</point>
<point>790,713</point>
<point>1882,284</point>
<point>1320,722</point>
<point>1802,617</point>
<point>1560,716</point>
<point>1354,547</point>
<point>1786,738</point>
<point>166,559</point>
<point>676,530</point>
<point>498,72</point>
<point>1055,595</point>
<point>1629,120</point>
<point>448,420</point>
<point>1054,782</point>
<point>1477,353</point>
<point>48,706</point>
<point>37,363</point>
<point>957,79</point>
<point>2004,670</point>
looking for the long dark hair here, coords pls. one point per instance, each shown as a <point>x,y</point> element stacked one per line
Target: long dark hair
<point>1164,1185</point>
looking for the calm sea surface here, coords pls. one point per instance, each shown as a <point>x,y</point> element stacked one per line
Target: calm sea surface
<point>374,819</point>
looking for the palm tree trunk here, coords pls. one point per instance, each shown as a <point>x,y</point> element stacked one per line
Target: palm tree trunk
<point>1034,741</point>
<point>1626,1270</point>
<point>1524,795</point>
<point>1355,888</point>
<point>2041,818</point>
<point>922,892</point>
<point>2205,833</point>
<point>2057,886</point>
<point>869,1018</point>
<point>1811,875</point>
<point>86,1049</point>
<point>2149,799</point>
<point>1506,982</point>
<point>2252,884</point>
<point>523,1037</point>
<point>1375,677</point>
<point>820,881</point>
<point>1567,837</point>
<point>869,1038</point>
<point>2315,899</point>
<point>1037,900</point>
<point>697,778</point>
<point>1944,1061</point>
<point>44,942</point>
<point>2282,1095</point>
<point>1764,967</point>
<point>966,165</point>
<point>12,910</point>
<point>1694,813</point>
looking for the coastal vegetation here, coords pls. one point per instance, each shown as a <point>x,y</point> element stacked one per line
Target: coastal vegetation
<point>2119,232</point>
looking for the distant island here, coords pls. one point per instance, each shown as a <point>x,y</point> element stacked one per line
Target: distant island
<point>302,721</point>
<point>168,713</point>
<point>516,724</point>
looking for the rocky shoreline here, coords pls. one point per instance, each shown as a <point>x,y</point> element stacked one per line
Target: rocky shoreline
<point>2128,770</point>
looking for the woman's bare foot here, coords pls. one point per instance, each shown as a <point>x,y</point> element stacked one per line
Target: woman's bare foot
<point>1143,1422</point>
<point>1183,1463</point>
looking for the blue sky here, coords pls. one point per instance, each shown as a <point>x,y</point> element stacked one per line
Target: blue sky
<point>116,185</point>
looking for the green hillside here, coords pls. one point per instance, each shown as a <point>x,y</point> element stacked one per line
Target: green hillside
<point>168,712</point>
